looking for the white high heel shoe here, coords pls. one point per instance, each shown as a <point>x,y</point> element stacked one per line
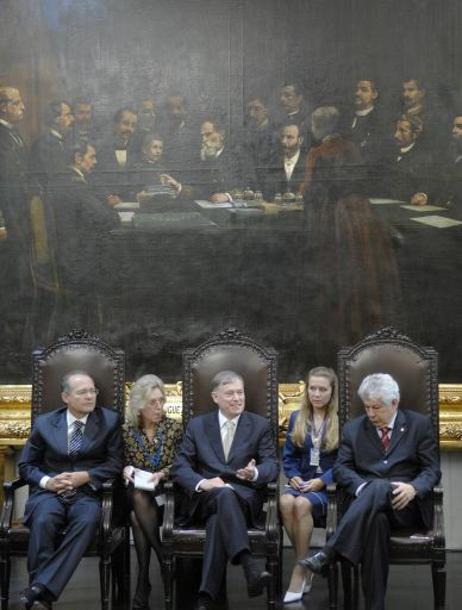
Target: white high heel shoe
<point>295,596</point>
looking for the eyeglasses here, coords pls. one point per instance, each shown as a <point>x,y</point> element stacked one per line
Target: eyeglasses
<point>91,391</point>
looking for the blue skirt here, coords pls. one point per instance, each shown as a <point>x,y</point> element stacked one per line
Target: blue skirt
<point>318,501</point>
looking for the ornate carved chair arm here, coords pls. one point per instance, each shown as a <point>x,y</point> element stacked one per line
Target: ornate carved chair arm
<point>272,511</point>
<point>169,511</point>
<point>106,508</point>
<point>9,487</point>
<point>332,509</point>
<point>438,518</point>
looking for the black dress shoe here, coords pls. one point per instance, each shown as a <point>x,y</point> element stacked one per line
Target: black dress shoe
<point>41,605</point>
<point>204,602</point>
<point>31,595</point>
<point>319,562</point>
<point>257,579</point>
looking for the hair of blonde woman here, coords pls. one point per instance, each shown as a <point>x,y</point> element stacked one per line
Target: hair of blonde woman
<point>304,419</point>
<point>139,396</point>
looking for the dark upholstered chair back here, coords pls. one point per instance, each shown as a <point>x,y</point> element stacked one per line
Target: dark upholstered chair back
<point>230,350</point>
<point>77,351</point>
<point>387,351</point>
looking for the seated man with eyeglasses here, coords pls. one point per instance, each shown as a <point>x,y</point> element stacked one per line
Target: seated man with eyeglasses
<point>71,451</point>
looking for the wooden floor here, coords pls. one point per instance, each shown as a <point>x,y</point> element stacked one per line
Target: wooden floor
<point>409,588</point>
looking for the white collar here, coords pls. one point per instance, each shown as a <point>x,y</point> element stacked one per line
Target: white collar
<point>78,171</point>
<point>3,122</point>
<point>293,113</point>
<point>364,112</point>
<point>56,134</point>
<point>71,419</point>
<point>222,419</point>
<point>406,148</point>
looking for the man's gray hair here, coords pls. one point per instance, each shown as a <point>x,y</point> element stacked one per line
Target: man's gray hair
<point>223,378</point>
<point>381,387</point>
<point>65,381</point>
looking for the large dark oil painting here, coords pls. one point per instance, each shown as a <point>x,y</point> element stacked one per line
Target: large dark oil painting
<point>170,168</point>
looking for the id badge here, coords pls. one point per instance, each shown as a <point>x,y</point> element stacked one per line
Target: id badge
<point>314,456</point>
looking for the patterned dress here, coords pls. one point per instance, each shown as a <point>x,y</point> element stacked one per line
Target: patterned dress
<point>156,454</point>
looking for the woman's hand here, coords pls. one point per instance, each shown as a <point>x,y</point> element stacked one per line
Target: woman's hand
<point>129,474</point>
<point>156,477</point>
<point>312,485</point>
<point>296,483</point>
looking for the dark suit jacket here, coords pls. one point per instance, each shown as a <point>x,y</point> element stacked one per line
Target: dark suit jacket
<point>217,175</point>
<point>81,223</point>
<point>46,451</point>
<point>412,174</point>
<point>13,191</point>
<point>412,457</point>
<point>47,158</point>
<point>201,457</point>
<point>371,134</point>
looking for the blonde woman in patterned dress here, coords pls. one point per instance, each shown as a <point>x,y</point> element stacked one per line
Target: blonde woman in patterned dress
<point>150,441</point>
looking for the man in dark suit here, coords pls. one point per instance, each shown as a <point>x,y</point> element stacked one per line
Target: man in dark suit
<point>115,154</point>
<point>13,193</point>
<point>47,155</point>
<point>287,167</point>
<point>225,459</point>
<point>388,464</point>
<point>81,224</point>
<point>69,454</point>
<point>407,174</point>
<point>219,168</point>
<point>367,126</point>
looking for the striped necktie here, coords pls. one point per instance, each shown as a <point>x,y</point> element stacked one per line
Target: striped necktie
<point>385,437</point>
<point>75,441</point>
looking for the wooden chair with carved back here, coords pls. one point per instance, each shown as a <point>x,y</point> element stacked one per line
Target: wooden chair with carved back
<point>228,350</point>
<point>415,369</point>
<point>78,350</point>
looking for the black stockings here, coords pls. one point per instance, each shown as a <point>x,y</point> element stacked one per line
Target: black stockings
<point>145,519</point>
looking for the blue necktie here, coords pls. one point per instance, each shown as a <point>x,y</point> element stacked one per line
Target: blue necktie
<point>75,441</point>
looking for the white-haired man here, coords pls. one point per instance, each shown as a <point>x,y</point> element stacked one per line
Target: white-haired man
<point>388,464</point>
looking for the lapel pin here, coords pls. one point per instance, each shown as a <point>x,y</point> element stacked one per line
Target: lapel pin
<point>402,430</point>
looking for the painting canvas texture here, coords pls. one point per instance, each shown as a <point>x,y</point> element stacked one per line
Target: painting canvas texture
<point>290,168</point>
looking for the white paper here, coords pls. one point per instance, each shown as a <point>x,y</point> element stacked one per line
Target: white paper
<point>208,205</point>
<point>423,208</point>
<point>440,222</point>
<point>127,205</point>
<point>142,480</point>
<point>382,201</point>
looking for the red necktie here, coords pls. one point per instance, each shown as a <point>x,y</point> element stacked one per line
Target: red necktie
<point>385,437</point>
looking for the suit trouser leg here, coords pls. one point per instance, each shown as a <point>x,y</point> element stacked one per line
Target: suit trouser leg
<point>48,518</point>
<point>358,522</point>
<point>374,565</point>
<point>226,535</point>
<point>82,520</point>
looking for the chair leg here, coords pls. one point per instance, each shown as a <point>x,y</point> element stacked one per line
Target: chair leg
<point>168,562</point>
<point>5,570</point>
<point>105,580</point>
<point>332,579</point>
<point>273,567</point>
<point>346,583</point>
<point>439,586</point>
